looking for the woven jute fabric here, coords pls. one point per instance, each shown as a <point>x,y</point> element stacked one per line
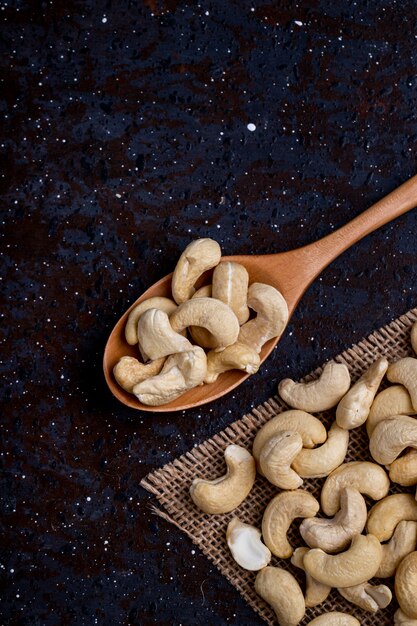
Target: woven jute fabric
<point>171,483</point>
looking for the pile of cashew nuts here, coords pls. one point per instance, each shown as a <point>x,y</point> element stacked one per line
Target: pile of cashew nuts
<point>351,545</point>
<point>221,335</point>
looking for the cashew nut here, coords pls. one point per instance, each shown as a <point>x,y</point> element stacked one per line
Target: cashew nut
<point>230,285</point>
<point>414,337</point>
<point>205,291</point>
<point>280,589</point>
<point>367,478</point>
<point>394,400</point>
<point>271,318</point>
<point>404,372</point>
<point>318,395</point>
<point>212,314</point>
<point>131,330</point>
<point>316,592</point>
<point>334,618</point>
<point>198,257</point>
<point>129,371</point>
<point>354,566</point>
<point>385,515</point>
<point>310,428</point>
<point>237,356</point>
<point>402,542</point>
<point>333,535</point>
<point>391,436</point>
<point>401,619</point>
<point>279,515</point>
<point>406,585</point>
<point>276,457</point>
<point>245,544</point>
<point>156,336</point>
<point>201,336</point>
<point>354,407</point>
<point>226,493</point>
<point>323,460</point>
<point>404,470</point>
<point>181,371</point>
<point>368,597</point>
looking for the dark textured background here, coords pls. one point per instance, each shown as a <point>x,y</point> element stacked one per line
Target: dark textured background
<point>125,137</point>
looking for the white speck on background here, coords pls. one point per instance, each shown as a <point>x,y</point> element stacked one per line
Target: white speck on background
<point>251,127</point>
<point>104,19</point>
<point>298,22</point>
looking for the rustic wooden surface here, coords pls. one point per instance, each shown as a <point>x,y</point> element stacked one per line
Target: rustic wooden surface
<point>128,132</point>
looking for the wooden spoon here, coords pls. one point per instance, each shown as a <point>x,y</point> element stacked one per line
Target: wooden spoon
<point>290,272</point>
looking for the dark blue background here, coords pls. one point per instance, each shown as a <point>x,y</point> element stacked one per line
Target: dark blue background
<point>125,137</point>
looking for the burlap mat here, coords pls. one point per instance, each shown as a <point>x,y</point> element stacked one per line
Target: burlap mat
<point>171,483</point>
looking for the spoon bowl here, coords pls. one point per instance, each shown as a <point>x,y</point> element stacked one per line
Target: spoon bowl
<point>290,272</point>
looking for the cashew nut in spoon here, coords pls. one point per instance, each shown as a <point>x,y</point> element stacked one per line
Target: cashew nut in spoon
<point>401,619</point>
<point>128,371</point>
<point>157,338</point>
<point>367,596</point>
<point>391,436</point>
<point>404,372</point>
<point>394,400</point>
<point>316,592</point>
<point>354,407</point>
<point>402,542</point>
<point>322,461</point>
<point>404,469</point>
<point>226,493</point>
<point>245,544</point>
<point>333,535</point>
<point>413,337</point>
<point>406,585</point>
<point>312,431</point>
<point>276,457</point>
<point>237,356</point>
<point>198,257</point>
<point>201,336</point>
<point>317,395</point>
<point>280,589</point>
<point>230,285</point>
<point>271,319</point>
<point>180,372</point>
<point>368,478</point>
<point>157,302</point>
<point>385,515</point>
<point>354,566</point>
<point>279,515</point>
<point>334,618</point>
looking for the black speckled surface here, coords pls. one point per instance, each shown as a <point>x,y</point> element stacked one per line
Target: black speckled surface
<point>125,136</point>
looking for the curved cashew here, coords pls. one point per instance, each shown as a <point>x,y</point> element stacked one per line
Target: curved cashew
<point>205,291</point>
<point>367,478</point>
<point>354,407</point>
<point>156,336</point>
<point>237,356</point>
<point>279,515</point>
<point>276,457</point>
<point>310,428</point>
<point>368,597</point>
<point>181,371</point>
<point>406,585</point>
<point>333,535</point>
<point>401,619</point>
<point>318,395</point>
<point>224,494</point>
<point>230,285</point>
<point>201,336</point>
<point>385,515</point>
<point>391,436</point>
<point>271,319</point>
<point>212,314</point>
<point>316,592</point>
<point>280,589</point>
<point>245,544</point>
<point>394,400</point>
<point>404,470</point>
<point>354,566</point>
<point>131,329</point>
<point>404,372</point>
<point>321,461</point>
<point>334,618</point>
<point>128,372</point>
<point>402,542</point>
<point>198,257</point>
<point>413,337</point>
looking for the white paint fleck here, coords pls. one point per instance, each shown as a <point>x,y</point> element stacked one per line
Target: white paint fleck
<point>251,127</point>
<point>104,19</point>
<point>298,22</point>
